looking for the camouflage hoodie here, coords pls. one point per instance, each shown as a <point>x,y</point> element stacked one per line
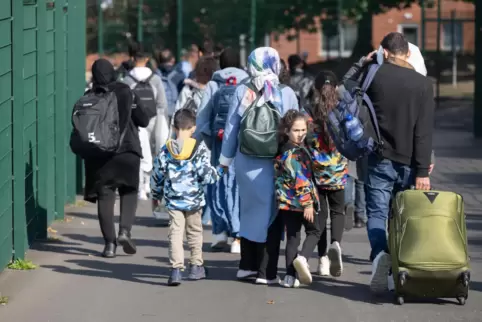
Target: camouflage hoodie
<point>181,170</point>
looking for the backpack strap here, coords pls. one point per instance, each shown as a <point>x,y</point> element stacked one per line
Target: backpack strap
<point>372,70</point>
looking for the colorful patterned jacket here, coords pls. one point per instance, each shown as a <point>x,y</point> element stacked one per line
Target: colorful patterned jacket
<point>181,170</point>
<point>295,189</point>
<point>330,168</point>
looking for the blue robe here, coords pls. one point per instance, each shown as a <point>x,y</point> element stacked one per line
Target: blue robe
<point>255,176</point>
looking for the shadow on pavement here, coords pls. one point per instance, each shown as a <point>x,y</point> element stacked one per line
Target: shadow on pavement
<point>126,272</point>
<point>100,241</point>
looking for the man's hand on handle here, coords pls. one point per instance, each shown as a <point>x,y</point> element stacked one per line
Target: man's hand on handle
<point>422,183</point>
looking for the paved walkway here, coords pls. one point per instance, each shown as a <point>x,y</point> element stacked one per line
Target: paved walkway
<point>74,284</point>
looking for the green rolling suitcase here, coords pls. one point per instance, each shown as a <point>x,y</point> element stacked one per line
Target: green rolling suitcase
<point>428,245</point>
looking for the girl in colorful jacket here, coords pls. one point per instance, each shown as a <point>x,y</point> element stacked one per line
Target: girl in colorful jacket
<point>330,170</point>
<point>296,197</point>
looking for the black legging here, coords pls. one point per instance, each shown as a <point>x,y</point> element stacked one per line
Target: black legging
<point>105,209</point>
<point>332,201</point>
<point>294,220</point>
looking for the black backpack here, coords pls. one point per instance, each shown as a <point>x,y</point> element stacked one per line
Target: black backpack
<point>145,94</point>
<point>95,121</point>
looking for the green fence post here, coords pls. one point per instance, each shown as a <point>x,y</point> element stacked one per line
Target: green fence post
<point>252,31</point>
<point>100,28</point>
<point>60,109</point>
<point>179,28</point>
<point>19,220</point>
<point>42,128</point>
<point>478,71</point>
<point>140,18</point>
<point>76,80</point>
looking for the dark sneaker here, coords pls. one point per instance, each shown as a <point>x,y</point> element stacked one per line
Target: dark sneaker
<point>349,212</point>
<point>197,272</point>
<point>126,242</point>
<point>176,277</point>
<point>109,250</point>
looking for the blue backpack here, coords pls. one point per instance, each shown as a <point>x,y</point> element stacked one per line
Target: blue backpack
<point>221,101</point>
<point>355,113</point>
<point>171,92</point>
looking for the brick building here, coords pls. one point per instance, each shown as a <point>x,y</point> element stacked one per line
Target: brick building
<point>407,21</point>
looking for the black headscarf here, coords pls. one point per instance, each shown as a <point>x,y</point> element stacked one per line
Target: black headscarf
<point>103,73</point>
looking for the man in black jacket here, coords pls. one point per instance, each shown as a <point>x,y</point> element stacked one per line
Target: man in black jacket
<point>403,102</point>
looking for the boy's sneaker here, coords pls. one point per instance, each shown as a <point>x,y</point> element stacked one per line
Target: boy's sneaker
<point>264,281</point>
<point>336,263</point>
<point>175,278</point>
<point>323,266</point>
<point>290,282</point>
<point>301,266</point>
<point>380,269</point>
<point>197,273</point>
<point>220,242</point>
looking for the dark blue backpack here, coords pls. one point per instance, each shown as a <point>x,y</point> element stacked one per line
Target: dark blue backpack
<point>221,102</point>
<point>357,103</point>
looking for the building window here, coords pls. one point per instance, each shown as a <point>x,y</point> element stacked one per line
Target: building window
<point>330,45</point>
<point>455,33</point>
<point>410,31</point>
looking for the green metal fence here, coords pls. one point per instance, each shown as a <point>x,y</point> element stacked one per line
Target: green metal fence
<point>42,73</point>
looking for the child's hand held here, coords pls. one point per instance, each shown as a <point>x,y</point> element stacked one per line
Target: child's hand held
<point>308,214</point>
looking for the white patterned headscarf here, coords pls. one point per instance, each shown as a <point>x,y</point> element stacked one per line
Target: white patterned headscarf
<point>264,66</point>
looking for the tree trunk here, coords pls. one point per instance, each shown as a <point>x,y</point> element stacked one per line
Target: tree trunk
<point>364,42</point>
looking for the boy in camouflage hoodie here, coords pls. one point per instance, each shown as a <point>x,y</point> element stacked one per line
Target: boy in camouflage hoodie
<point>181,171</point>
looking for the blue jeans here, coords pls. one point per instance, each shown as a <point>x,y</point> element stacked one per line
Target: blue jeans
<point>385,179</point>
<point>355,193</point>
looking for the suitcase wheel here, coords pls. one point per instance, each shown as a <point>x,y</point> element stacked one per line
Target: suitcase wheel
<point>461,300</point>
<point>400,300</point>
<point>402,278</point>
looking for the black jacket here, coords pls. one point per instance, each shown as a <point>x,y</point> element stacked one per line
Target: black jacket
<point>404,104</point>
<point>123,168</point>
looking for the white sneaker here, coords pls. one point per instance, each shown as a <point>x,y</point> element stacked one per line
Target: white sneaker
<point>243,274</point>
<point>236,247</point>
<point>263,281</point>
<point>336,263</point>
<point>301,265</point>
<point>323,266</point>
<point>391,283</point>
<point>380,269</point>
<point>142,195</point>
<point>290,282</point>
<point>220,241</point>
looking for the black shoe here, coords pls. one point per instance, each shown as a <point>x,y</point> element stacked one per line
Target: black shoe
<point>197,272</point>
<point>349,212</point>
<point>126,242</point>
<point>175,278</point>
<point>109,250</point>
